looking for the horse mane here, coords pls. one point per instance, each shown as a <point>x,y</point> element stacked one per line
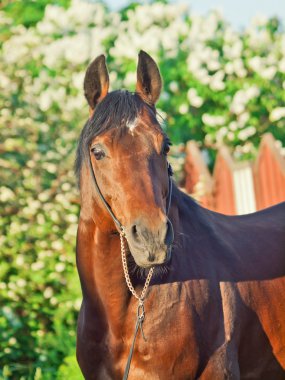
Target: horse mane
<point>116,110</point>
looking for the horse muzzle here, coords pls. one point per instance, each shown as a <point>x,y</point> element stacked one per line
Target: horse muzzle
<point>150,247</point>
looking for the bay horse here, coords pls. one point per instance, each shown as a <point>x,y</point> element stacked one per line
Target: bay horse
<point>215,305</point>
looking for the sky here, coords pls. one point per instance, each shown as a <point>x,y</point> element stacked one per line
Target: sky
<point>238,12</point>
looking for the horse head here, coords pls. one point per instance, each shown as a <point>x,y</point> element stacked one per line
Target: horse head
<point>123,151</point>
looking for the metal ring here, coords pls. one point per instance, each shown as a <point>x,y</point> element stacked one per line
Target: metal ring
<point>140,311</point>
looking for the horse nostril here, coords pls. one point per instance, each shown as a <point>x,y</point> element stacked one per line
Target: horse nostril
<point>134,231</point>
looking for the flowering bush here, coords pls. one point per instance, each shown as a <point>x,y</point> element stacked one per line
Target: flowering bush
<point>220,87</point>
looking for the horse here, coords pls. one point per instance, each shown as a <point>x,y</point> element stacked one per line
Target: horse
<point>214,304</point>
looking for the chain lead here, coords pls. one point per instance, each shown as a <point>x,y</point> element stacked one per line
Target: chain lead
<point>140,297</point>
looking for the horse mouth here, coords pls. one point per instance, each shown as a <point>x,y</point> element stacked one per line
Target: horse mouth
<point>141,269</point>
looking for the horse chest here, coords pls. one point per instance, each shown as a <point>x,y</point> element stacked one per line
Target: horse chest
<point>179,336</point>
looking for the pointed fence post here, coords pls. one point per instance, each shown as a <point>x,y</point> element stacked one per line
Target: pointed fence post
<point>237,187</point>
<point>224,199</point>
<point>269,173</point>
<point>233,185</point>
<point>198,180</point>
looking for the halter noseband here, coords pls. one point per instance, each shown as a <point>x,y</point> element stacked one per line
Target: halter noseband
<point>107,206</point>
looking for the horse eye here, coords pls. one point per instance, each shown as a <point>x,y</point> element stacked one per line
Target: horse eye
<point>166,149</point>
<point>98,153</point>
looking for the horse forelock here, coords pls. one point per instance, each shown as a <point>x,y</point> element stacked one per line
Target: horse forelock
<point>120,110</point>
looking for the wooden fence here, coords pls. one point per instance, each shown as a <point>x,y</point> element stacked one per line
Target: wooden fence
<point>237,187</point>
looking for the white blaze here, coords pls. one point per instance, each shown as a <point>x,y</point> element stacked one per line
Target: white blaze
<point>132,125</point>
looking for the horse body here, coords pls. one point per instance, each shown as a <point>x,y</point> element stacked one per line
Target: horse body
<point>218,311</point>
<point>208,318</point>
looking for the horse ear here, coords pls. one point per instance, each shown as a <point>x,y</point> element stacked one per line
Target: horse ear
<point>96,81</point>
<point>148,79</point>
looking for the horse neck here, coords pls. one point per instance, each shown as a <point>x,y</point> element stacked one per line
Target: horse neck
<point>109,277</point>
<point>98,255</point>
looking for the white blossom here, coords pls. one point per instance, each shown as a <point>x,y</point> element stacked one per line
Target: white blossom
<point>38,265</point>
<point>20,260</point>
<point>256,63</point>
<point>213,120</point>
<point>268,72</point>
<point>21,282</point>
<point>130,79</point>
<point>45,101</point>
<point>59,267</point>
<point>242,119</point>
<point>216,81</point>
<point>173,86</point>
<point>277,114</point>
<point>57,245</point>
<point>183,109</point>
<point>12,341</point>
<point>48,292</point>
<point>194,99</point>
<point>246,133</point>
<point>6,194</point>
<point>233,125</point>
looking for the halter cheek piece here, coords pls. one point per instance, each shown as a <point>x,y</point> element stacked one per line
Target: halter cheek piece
<point>108,208</point>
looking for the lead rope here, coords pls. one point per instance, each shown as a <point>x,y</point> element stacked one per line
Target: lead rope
<point>140,298</point>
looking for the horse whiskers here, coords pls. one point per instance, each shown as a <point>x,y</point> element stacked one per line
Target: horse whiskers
<point>161,270</point>
<point>141,273</point>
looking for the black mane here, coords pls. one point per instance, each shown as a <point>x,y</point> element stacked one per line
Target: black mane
<point>116,110</point>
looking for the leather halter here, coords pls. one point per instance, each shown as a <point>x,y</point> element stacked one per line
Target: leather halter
<point>108,208</point>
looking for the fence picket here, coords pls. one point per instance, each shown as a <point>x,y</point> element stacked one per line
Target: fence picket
<point>237,187</point>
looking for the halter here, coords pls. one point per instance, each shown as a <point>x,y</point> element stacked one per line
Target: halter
<point>141,297</point>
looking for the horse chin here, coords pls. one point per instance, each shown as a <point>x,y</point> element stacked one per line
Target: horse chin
<point>140,270</point>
